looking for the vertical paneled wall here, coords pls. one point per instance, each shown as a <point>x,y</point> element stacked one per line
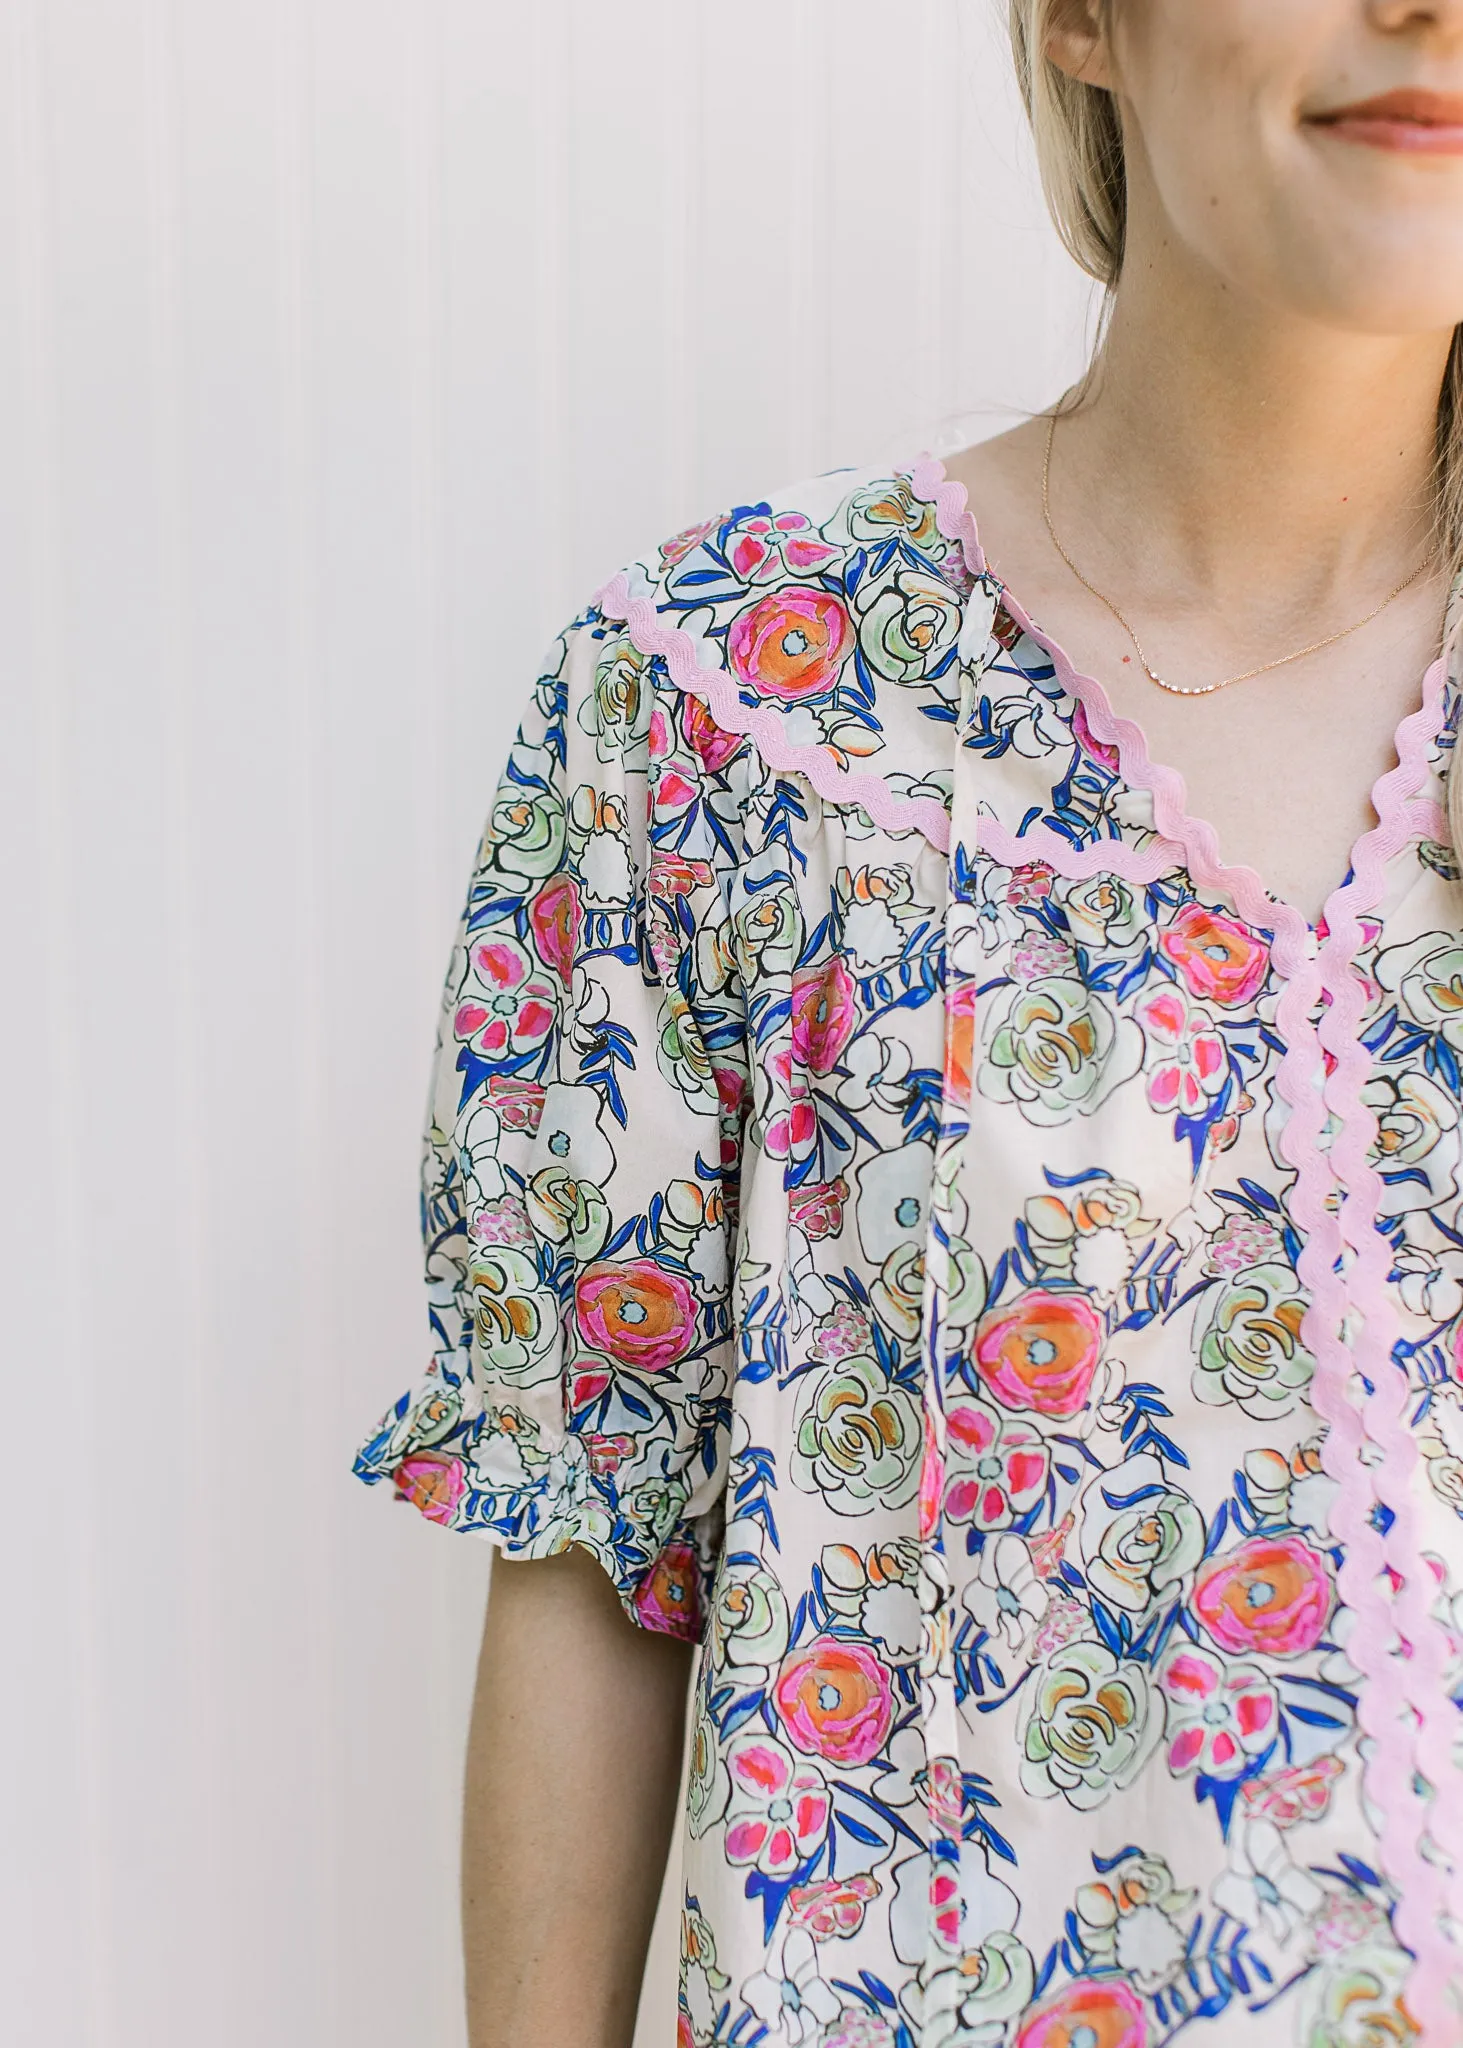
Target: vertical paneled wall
<point>345,346</point>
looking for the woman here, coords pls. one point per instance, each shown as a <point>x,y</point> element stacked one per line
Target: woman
<point>972,1244</point>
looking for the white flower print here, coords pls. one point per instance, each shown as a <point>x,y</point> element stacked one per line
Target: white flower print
<point>891,1617</point>
<point>1263,1885</point>
<point>790,1998</point>
<point>876,1069</point>
<point>609,872</point>
<point>588,1007</point>
<point>1426,976</point>
<point>992,920</point>
<point>571,1132</point>
<point>893,1200</point>
<point>1032,720</point>
<point>1133,1918</point>
<point>981,1904</point>
<point>1431,1284</point>
<point>1006,1598</point>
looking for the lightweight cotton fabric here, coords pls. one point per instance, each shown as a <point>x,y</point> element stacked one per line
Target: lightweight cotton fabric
<point>989,1272</point>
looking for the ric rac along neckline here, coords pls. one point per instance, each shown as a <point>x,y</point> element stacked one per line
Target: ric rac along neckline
<point>1394,795</point>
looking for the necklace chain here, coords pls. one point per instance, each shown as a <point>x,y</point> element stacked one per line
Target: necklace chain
<point>1247,675</point>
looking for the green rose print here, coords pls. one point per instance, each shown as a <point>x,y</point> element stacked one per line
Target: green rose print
<point>906,622</point>
<point>1089,1726</point>
<point>1251,1350</point>
<point>1055,1047</point>
<point>856,1439</point>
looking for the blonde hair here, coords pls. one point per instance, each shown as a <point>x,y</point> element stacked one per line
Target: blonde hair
<point>1079,148</point>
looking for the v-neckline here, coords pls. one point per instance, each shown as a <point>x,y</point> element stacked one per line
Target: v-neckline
<point>1371,852</point>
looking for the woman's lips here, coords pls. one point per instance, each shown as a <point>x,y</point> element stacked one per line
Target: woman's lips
<point>1411,121</point>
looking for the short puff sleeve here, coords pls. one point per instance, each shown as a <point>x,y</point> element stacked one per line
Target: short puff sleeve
<point>582,1149</point>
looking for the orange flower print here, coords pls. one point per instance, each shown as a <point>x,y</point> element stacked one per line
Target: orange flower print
<point>637,1312</point>
<point>1272,1594</point>
<point>959,1044</point>
<point>1040,1353</point>
<point>836,1700</point>
<point>1090,2013</point>
<point>823,1012</point>
<point>791,644</point>
<point>432,1483</point>
<point>1220,960</point>
<point>668,1600</point>
<point>556,918</point>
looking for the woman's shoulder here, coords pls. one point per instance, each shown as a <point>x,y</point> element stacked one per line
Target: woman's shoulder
<point>824,623</point>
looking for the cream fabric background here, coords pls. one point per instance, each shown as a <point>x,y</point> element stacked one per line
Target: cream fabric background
<point>345,346</point>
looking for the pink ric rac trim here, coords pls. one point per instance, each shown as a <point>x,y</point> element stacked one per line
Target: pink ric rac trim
<point>1404,1706</point>
<point>1424,1670</point>
<point>764,727</point>
<point>1134,864</point>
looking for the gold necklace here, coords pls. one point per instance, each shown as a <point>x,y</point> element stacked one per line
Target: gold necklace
<point>1204,689</point>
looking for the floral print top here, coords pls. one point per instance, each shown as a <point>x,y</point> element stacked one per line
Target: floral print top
<point>994,1277</point>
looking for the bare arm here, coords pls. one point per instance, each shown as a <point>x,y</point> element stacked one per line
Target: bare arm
<point>572,1772</point>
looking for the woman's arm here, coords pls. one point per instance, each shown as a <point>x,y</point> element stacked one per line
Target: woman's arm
<point>572,1772</point>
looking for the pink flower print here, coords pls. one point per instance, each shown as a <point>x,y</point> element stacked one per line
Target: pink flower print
<point>1244,1241</point>
<point>668,1599</point>
<point>1037,957</point>
<point>1219,1716</point>
<point>1040,1353</point>
<point>998,1467</point>
<point>1065,1622</point>
<point>1219,959</point>
<point>433,1483</point>
<point>586,1388</point>
<point>1346,1920</point>
<point>674,793</point>
<point>1270,1596</point>
<point>792,1122</point>
<point>712,746</point>
<point>761,547</point>
<point>791,644</point>
<point>779,1807</point>
<point>836,1701</point>
<point>556,920</point>
<point>520,1104</point>
<point>818,1210</point>
<point>945,1798</point>
<point>1096,749</point>
<point>832,1907</point>
<point>671,878</point>
<point>637,1312</point>
<point>823,1011</point>
<point>687,541</point>
<point>731,1089</point>
<point>1299,1792</point>
<point>502,1222</point>
<point>842,1332</point>
<point>509,1005</point>
<point>1029,885</point>
<point>1187,1060</point>
<point>931,1481</point>
<point>1090,2012</point>
<point>606,1454</point>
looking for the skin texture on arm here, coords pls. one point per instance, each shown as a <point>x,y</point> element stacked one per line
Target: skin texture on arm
<point>573,1770</point>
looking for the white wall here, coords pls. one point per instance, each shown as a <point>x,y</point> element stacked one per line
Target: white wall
<point>345,346</point>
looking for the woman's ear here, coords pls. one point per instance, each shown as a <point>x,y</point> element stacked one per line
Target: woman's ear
<point>1076,41</point>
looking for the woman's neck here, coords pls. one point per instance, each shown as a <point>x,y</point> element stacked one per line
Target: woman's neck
<point>1226,448</point>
